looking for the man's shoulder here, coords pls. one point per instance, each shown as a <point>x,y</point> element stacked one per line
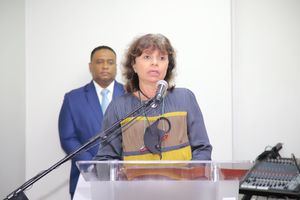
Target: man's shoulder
<point>80,91</point>
<point>120,86</point>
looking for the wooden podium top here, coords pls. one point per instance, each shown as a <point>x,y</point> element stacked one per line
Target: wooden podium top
<point>179,173</point>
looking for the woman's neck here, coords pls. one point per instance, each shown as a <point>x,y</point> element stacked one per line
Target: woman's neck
<point>147,91</point>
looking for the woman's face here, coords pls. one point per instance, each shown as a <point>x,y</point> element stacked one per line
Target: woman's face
<point>151,66</point>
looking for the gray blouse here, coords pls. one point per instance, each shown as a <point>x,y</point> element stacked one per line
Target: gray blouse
<point>177,100</point>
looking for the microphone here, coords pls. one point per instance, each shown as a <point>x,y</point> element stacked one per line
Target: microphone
<point>273,153</point>
<point>161,91</point>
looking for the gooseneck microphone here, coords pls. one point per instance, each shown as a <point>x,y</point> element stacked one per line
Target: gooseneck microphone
<point>162,87</point>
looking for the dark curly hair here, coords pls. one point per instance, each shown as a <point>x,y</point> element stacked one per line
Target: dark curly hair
<point>148,41</point>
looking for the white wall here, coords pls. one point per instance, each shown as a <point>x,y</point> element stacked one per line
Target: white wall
<point>262,85</point>
<point>266,71</point>
<point>60,36</point>
<point>12,95</point>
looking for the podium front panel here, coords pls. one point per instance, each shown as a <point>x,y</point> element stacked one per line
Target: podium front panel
<point>168,180</point>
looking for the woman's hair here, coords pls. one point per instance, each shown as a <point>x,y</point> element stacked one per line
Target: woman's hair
<point>148,41</point>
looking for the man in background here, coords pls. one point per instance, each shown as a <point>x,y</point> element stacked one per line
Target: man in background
<point>82,111</point>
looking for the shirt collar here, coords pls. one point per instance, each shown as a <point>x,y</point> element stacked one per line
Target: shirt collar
<point>99,88</point>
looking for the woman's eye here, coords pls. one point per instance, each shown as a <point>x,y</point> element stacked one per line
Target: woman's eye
<point>147,57</point>
<point>163,58</point>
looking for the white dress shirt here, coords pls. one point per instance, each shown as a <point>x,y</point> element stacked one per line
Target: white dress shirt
<point>99,89</point>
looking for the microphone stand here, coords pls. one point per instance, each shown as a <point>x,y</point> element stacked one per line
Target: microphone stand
<point>19,194</point>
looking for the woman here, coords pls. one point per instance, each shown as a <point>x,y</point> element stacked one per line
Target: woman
<point>177,119</point>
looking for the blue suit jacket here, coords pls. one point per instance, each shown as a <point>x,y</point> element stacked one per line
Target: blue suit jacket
<point>80,119</point>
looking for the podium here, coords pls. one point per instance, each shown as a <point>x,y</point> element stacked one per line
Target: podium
<point>167,180</point>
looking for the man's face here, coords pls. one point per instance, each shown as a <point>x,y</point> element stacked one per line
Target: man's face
<point>103,67</point>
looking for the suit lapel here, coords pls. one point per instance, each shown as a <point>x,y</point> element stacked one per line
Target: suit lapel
<point>118,90</point>
<point>93,101</point>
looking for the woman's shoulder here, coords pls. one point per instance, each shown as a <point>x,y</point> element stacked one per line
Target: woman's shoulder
<point>181,91</point>
<point>124,101</point>
<point>124,98</point>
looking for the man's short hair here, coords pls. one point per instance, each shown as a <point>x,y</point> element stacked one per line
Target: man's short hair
<point>101,47</point>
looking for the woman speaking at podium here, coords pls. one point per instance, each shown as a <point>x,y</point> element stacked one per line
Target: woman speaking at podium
<point>174,129</point>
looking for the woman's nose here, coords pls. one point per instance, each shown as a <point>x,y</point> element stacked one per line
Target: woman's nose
<point>154,61</point>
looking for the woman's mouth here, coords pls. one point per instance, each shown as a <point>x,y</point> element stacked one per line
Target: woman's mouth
<point>153,72</point>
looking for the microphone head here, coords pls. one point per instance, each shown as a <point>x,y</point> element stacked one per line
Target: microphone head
<point>162,82</point>
<point>162,87</point>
